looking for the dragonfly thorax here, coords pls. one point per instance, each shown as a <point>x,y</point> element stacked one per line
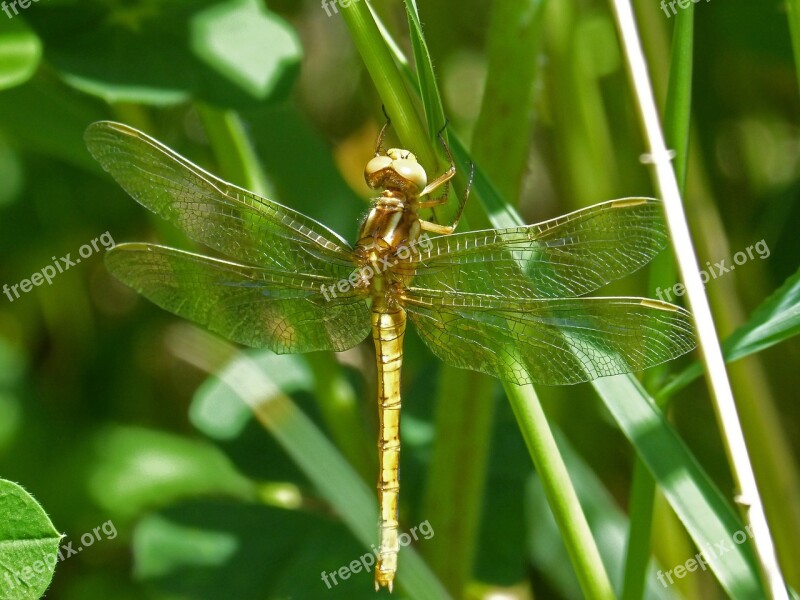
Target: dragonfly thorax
<point>398,169</point>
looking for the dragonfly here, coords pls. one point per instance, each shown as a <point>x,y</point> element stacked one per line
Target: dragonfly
<point>507,302</point>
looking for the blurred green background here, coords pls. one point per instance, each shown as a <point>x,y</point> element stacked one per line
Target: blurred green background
<point>107,411</point>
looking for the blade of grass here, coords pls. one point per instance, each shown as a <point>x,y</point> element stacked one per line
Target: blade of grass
<point>677,125</point>
<point>725,406</point>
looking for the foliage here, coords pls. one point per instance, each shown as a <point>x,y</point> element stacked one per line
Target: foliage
<point>238,473</point>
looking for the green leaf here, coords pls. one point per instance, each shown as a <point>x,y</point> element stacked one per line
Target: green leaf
<point>20,53</point>
<point>251,47</point>
<point>28,545</point>
<point>141,468</point>
<point>775,320</point>
<point>230,54</point>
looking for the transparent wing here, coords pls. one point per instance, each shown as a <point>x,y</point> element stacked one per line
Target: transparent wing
<point>254,306</point>
<point>569,256</point>
<point>224,217</point>
<point>555,342</point>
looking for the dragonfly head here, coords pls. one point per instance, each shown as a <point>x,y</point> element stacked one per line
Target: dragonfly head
<point>396,169</point>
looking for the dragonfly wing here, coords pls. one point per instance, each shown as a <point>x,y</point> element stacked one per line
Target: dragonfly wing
<point>569,256</point>
<point>555,342</point>
<point>258,307</point>
<point>222,216</point>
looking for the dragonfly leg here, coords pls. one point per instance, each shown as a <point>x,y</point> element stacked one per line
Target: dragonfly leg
<point>444,179</point>
<point>379,144</point>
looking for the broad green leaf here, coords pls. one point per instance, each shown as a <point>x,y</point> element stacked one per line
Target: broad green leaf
<point>775,320</point>
<point>230,54</point>
<point>253,48</point>
<point>140,468</point>
<point>429,91</point>
<point>28,545</point>
<point>20,52</point>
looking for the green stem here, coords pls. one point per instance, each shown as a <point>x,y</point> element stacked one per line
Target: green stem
<point>232,148</point>
<point>389,82</point>
<point>637,553</point>
<point>502,132</point>
<point>561,495</point>
<point>678,110</point>
<point>677,120</point>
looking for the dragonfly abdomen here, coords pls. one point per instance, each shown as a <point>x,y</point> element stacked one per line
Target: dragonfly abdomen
<point>388,329</point>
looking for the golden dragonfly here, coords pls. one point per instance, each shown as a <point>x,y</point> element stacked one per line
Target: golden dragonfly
<point>504,302</point>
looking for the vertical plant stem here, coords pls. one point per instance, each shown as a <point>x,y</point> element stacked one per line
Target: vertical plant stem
<point>709,346</point>
<point>389,82</point>
<point>502,132</point>
<point>677,126</point>
<point>560,493</point>
<point>637,553</point>
<point>232,148</point>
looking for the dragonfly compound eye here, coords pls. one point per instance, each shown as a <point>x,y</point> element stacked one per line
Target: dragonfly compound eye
<point>374,168</point>
<point>410,170</point>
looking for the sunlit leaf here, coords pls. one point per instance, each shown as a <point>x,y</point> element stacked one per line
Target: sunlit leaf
<point>248,45</point>
<point>28,545</point>
<point>20,52</point>
<point>234,53</point>
<point>139,469</point>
